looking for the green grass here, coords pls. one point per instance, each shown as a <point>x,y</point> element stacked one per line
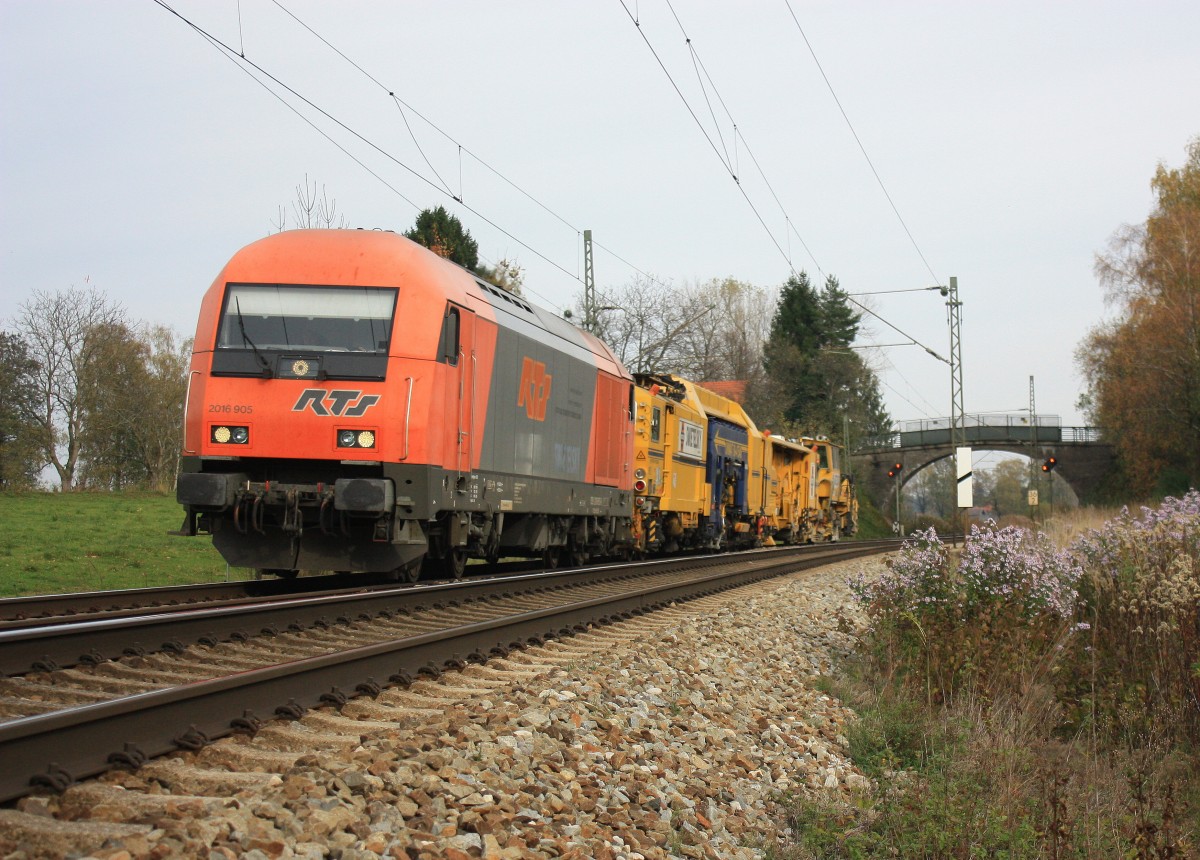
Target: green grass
<point>61,542</point>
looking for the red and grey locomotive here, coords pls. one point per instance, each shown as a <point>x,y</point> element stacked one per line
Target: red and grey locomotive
<point>357,403</point>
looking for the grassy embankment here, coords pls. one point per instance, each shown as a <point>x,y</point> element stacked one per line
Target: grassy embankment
<point>65,542</point>
<point>1028,698</point>
<point>60,542</point>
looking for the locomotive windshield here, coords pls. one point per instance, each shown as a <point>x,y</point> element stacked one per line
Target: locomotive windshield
<point>307,319</point>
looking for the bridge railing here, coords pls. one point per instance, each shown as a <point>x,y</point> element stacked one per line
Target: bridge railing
<point>1083,434</point>
<point>983,429</point>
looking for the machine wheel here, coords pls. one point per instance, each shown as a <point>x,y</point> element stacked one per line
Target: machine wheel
<point>410,572</point>
<point>550,557</point>
<point>454,564</point>
<point>282,573</point>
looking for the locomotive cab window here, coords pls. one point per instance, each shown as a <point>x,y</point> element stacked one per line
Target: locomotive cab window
<point>305,331</point>
<point>448,346</point>
<point>307,319</point>
<point>655,424</point>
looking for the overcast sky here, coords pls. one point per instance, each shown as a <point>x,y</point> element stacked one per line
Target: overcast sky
<point>1013,138</point>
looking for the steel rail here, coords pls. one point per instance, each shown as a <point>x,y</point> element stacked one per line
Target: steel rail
<point>64,643</point>
<point>35,610</point>
<point>56,749</point>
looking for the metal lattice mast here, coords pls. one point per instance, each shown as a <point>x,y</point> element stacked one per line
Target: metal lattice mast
<point>589,285</point>
<point>958,433</point>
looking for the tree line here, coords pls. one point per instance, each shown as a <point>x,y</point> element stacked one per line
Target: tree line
<point>97,398</point>
<point>91,394</point>
<point>1142,368</point>
<point>790,347</point>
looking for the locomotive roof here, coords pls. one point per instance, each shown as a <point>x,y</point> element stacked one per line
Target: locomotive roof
<point>381,258</point>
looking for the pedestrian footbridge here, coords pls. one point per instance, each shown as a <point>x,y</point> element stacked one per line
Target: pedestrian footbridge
<point>1084,455</point>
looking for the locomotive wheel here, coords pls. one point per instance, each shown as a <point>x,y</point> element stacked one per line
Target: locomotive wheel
<point>550,557</point>
<point>454,565</point>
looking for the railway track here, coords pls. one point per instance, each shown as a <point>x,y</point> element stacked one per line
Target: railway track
<point>124,701</point>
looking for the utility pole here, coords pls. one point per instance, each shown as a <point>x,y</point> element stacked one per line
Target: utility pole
<point>589,285</point>
<point>958,431</point>
<point>1033,454</point>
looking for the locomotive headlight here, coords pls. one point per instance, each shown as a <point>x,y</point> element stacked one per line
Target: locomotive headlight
<point>366,439</point>
<point>639,486</point>
<point>346,438</point>
<point>639,502</point>
<point>224,434</point>
<point>639,473</point>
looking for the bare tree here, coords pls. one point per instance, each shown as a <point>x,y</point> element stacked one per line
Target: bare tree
<point>645,323</point>
<point>732,322</point>
<point>312,210</point>
<point>58,330</point>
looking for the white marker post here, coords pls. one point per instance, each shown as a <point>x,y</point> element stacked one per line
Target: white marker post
<point>963,463</point>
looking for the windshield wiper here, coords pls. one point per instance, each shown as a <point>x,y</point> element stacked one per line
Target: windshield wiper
<point>266,365</point>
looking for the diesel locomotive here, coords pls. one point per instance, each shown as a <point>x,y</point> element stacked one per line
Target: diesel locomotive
<point>357,403</point>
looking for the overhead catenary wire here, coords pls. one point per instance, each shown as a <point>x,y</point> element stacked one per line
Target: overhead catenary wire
<point>858,140</point>
<point>728,168</point>
<point>404,105</point>
<point>444,188</point>
<point>226,48</point>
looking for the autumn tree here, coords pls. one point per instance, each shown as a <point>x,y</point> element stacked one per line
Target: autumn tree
<point>506,275</point>
<point>732,321</point>
<point>1142,368</point>
<point>1009,488</point>
<point>19,459</point>
<point>132,400</point>
<point>59,332</point>
<point>931,492</point>
<point>444,234</point>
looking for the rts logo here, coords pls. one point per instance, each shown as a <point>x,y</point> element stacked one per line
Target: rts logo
<point>535,389</point>
<point>336,402</point>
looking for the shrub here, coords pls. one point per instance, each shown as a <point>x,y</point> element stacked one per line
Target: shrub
<point>925,522</point>
<point>988,623</point>
<point>1137,674</point>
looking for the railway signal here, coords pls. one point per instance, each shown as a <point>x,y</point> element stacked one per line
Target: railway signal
<point>1049,464</point>
<point>895,470</point>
